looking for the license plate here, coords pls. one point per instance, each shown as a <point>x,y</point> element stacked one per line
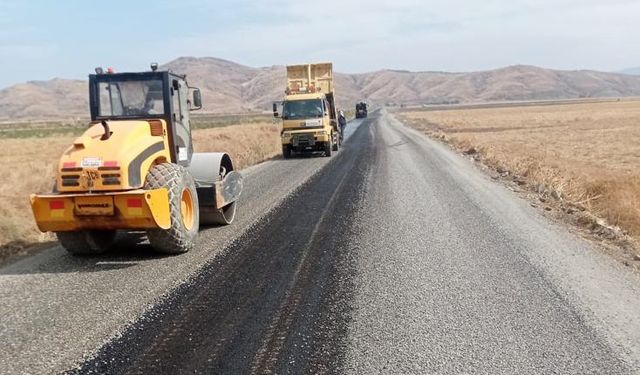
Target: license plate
<point>89,162</point>
<point>93,206</point>
<point>312,123</point>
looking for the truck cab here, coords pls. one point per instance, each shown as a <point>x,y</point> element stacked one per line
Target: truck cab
<point>309,122</point>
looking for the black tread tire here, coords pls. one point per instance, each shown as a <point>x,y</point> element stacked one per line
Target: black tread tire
<point>177,239</point>
<point>336,144</point>
<point>87,242</point>
<point>328,147</point>
<point>286,152</point>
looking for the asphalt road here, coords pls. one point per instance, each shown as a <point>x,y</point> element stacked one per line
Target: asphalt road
<point>393,256</point>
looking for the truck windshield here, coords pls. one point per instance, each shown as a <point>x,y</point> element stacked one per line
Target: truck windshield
<point>302,109</point>
<point>130,98</point>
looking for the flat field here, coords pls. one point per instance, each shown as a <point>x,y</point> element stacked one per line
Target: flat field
<point>586,155</point>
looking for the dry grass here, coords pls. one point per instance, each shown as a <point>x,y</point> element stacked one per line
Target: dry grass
<point>28,165</point>
<point>247,144</point>
<point>584,155</point>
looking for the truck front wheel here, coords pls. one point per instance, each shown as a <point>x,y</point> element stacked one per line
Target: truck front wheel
<point>328,147</point>
<point>286,151</point>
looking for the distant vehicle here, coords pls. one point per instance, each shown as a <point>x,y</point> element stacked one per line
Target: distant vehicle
<point>309,116</point>
<point>361,110</point>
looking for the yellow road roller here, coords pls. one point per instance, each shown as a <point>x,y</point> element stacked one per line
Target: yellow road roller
<point>134,169</point>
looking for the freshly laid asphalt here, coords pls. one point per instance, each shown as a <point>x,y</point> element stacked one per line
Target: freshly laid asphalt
<point>393,256</point>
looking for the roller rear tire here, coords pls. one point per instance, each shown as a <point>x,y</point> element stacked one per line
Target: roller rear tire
<point>87,242</point>
<point>183,207</point>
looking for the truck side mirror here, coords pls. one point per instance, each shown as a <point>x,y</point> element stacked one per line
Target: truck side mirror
<point>197,99</point>
<point>275,110</point>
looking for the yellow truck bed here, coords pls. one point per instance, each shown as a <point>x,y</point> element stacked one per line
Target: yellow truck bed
<point>306,78</point>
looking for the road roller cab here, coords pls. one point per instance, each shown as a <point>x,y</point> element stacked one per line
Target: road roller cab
<point>134,168</point>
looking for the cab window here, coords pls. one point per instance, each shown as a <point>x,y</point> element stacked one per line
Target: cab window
<point>179,93</point>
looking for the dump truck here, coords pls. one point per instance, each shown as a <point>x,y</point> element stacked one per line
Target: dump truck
<point>361,110</point>
<point>309,115</point>
<point>135,169</point>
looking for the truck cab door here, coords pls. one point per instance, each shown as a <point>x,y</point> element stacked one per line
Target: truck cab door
<point>182,124</point>
<point>327,116</point>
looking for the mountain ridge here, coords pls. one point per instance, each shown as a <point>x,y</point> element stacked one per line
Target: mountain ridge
<point>230,87</point>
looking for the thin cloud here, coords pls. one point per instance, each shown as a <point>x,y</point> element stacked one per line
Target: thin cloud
<point>358,35</point>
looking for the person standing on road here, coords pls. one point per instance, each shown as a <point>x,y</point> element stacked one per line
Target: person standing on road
<point>342,121</point>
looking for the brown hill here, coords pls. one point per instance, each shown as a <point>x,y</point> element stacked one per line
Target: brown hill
<point>229,87</point>
<point>57,98</point>
<point>221,81</point>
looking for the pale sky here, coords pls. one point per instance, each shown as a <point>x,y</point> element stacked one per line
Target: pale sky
<point>42,39</point>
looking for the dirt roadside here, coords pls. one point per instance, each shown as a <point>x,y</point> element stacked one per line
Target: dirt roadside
<point>560,185</point>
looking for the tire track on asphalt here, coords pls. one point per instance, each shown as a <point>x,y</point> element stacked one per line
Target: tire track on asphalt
<point>265,301</point>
